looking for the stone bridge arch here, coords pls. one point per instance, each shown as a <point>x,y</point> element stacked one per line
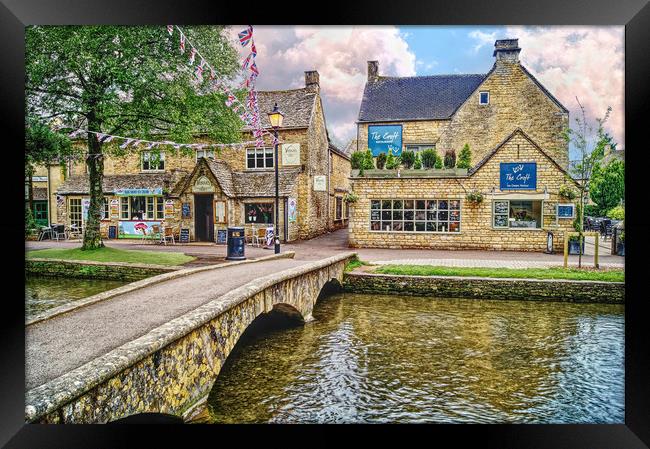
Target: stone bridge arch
<point>171,369</point>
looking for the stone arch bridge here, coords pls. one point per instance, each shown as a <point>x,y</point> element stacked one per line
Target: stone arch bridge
<point>172,369</point>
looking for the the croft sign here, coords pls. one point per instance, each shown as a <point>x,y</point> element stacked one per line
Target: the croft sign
<point>518,176</point>
<point>384,139</point>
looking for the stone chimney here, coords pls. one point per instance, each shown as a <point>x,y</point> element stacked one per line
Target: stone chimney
<point>507,50</point>
<point>373,71</point>
<point>312,80</point>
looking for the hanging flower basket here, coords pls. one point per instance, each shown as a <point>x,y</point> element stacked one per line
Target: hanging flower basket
<point>351,198</point>
<point>474,197</point>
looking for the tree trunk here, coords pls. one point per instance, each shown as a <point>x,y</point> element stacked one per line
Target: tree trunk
<point>30,188</point>
<point>95,163</point>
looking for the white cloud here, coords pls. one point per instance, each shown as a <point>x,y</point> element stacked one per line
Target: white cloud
<point>482,39</point>
<point>340,55</point>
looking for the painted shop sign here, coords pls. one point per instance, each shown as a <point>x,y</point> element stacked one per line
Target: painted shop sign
<point>203,185</point>
<point>291,154</point>
<point>518,176</point>
<point>115,209</point>
<point>293,209</point>
<point>320,183</point>
<point>138,192</point>
<point>135,229</point>
<point>385,138</point>
<point>169,209</point>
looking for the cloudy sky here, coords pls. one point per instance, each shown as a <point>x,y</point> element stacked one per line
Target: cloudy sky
<point>587,62</point>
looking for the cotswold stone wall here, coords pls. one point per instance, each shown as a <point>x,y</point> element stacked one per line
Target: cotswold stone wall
<point>487,288</point>
<point>476,227</point>
<point>93,270</point>
<point>516,101</point>
<point>172,368</point>
<point>414,132</point>
<point>339,185</point>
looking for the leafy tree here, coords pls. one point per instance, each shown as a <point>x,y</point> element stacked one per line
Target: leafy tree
<point>418,162</point>
<point>465,157</point>
<point>590,155</point>
<point>608,185</point>
<point>408,159</point>
<point>616,213</point>
<point>429,158</point>
<point>126,80</point>
<point>381,161</point>
<point>450,159</point>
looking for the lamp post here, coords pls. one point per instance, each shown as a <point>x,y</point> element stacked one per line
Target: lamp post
<point>275,117</point>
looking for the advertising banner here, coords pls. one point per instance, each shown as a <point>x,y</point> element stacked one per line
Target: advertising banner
<point>138,192</point>
<point>115,208</point>
<point>169,209</point>
<point>135,229</point>
<point>385,138</point>
<point>518,176</point>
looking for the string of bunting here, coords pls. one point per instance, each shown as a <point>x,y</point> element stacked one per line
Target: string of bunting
<point>252,117</point>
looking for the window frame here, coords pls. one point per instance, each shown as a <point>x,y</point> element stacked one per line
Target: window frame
<point>205,151</point>
<point>267,204</point>
<point>517,228</point>
<point>480,95</point>
<point>423,212</point>
<point>420,147</point>
<point>338,208</point>
<point>266,151</point>
<point>145,155</point>
<point>75,210</point>
<point>106,214</point>
<point>155,213</point>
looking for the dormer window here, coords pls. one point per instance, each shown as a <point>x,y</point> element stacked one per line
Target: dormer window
<point>484,97</point>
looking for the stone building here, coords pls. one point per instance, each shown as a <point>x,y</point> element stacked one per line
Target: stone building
<point>208,191</point>
<point>519,160</point>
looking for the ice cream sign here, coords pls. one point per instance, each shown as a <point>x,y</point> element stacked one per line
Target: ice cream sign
<point>385,138</point>
<point>518,176</point>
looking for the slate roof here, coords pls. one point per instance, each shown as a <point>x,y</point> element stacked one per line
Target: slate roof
<point>417,97</point>
<point>338,151</point>
<point>262,183</point>
<point>295,104</point>
<point>222,172</point>
<point>79,184</point>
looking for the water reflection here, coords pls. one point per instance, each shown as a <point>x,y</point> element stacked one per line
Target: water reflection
<point>391,359</point>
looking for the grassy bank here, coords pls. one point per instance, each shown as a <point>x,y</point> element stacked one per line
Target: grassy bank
<point>107,254</point>
<point>606,275</point>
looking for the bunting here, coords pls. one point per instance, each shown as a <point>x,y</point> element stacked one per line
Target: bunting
<point>246,35</point>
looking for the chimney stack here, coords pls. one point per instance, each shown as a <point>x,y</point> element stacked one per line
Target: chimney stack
<point>373,71</point>
<point>312,79</point>
<point>507,50</point>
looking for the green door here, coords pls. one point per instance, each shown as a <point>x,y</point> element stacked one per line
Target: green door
<point>40,213</point>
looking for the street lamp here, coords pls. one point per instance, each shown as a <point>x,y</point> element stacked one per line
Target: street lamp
<point>275,117</point>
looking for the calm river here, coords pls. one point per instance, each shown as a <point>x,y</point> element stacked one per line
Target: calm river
<point>370,358</point>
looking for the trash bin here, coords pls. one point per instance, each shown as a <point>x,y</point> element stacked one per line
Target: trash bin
<point>236,243</point>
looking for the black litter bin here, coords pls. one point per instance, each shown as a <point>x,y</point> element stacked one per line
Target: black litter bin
<point>236,243</point>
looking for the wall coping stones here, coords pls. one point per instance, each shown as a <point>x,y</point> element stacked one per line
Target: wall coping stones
<point>60,391</point>
<point>175,272</point>
<point>107,264</point>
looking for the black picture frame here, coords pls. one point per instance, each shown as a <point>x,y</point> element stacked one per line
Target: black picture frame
<point>634,14</point>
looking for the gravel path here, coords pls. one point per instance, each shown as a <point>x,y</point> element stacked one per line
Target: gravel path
<point>60,344</point>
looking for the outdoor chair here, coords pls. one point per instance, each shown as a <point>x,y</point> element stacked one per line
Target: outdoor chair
<point>155,234</point>
<point>144,236</point>
<point>260,236</point>
<point>607,229</point>
<point>46,231</point>
<point>59,231</point>
<point>168,234</point>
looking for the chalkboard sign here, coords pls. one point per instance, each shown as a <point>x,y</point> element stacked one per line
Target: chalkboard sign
<point>112,232</point>
<point>185,235</point>
<point>222,236</point>
<point>565,211</point>
<point>187,212</point>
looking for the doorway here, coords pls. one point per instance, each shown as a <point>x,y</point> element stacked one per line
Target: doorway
<point>203,218</point>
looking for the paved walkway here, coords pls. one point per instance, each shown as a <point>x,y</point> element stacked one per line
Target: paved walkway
<point>336,242</point>
<point>65,342</point>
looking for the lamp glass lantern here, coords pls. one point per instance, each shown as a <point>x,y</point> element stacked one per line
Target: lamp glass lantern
<point>275,117</point>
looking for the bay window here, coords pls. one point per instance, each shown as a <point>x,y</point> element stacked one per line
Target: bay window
<point>517,214</point>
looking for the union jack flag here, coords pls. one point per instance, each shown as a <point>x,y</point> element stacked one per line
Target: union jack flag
<point>211,73</point>
<point>246,62</point>
<point>245,36</point>
<point>192,55</point>
<point>170,29</point>
<point>199,72</point>
<point>253,49</point>
<point>254,69</point>
<point>230,100</point>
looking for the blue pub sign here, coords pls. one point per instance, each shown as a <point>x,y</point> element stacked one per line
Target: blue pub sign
<point>385,138</point>
<point>518,175</point>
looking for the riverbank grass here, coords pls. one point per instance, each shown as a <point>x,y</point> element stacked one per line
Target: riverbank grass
<point>107,254</point>
<point>583,274</point>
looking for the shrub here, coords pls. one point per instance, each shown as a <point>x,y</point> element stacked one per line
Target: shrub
<point>465,157</point>
<point>621,237</point>
<point>408,159</point>
<point>418,162</point>
<point>474,197</point>
<point>356,159</point>
<point>368,161</point>
<point>30,222</point>
<point>616,213</point>
<point>381,161</point>
<point>392,162</point>
<point>450,159</point>
<point>429,158</point>
<point>438,163</point>
<point>567,192</point>
<point>351,198</point>
<point>591,210</point>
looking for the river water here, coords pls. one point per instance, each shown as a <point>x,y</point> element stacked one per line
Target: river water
<point>43,293</point>
<point>371,359</point>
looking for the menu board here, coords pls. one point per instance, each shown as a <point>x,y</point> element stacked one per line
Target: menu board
<point>112,232</point>
<point>222,236</point>
<point>186,210</point>
<point>185,235</point>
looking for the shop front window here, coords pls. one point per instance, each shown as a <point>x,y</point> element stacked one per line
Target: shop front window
<point>517,214</point>
<point>258,213</point>
<point>142,208</point>
<point>74,207</point>
<point>408,215</point>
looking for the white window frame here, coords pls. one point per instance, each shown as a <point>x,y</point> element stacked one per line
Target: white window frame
<point>420,147</point>
<point>480,94</point>
<point>515,228</point>
<point>207,153</point>
<point>77,211</point>
<point>415,210</point>
<point>106,214</point>
<point>265,150</point>
<point>573,211</point>
<point>145,155</point>
<point>157,211</point>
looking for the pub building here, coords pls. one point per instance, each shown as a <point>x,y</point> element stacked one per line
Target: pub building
<point>211,190</point>
<point>512,125</point>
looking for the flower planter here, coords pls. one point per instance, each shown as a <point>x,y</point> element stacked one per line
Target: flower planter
<point>574,247</point>
<point>620,249</point>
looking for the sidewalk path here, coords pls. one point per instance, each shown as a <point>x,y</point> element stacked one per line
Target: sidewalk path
<point>490,263</point>
<point>65,342</point>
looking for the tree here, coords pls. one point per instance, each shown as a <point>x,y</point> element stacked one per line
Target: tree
<point>392,162</point>
<point>450,159</point>
<point>42,147</point>
<point>429,158</point>
<point>356,159</point>
<point>381,161</point>
<point>608,185</point>
<point>368,160</point>
<point>408,159</point>
<point>126,80</point>
<point>465,157</point>
<point>589,158</point>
